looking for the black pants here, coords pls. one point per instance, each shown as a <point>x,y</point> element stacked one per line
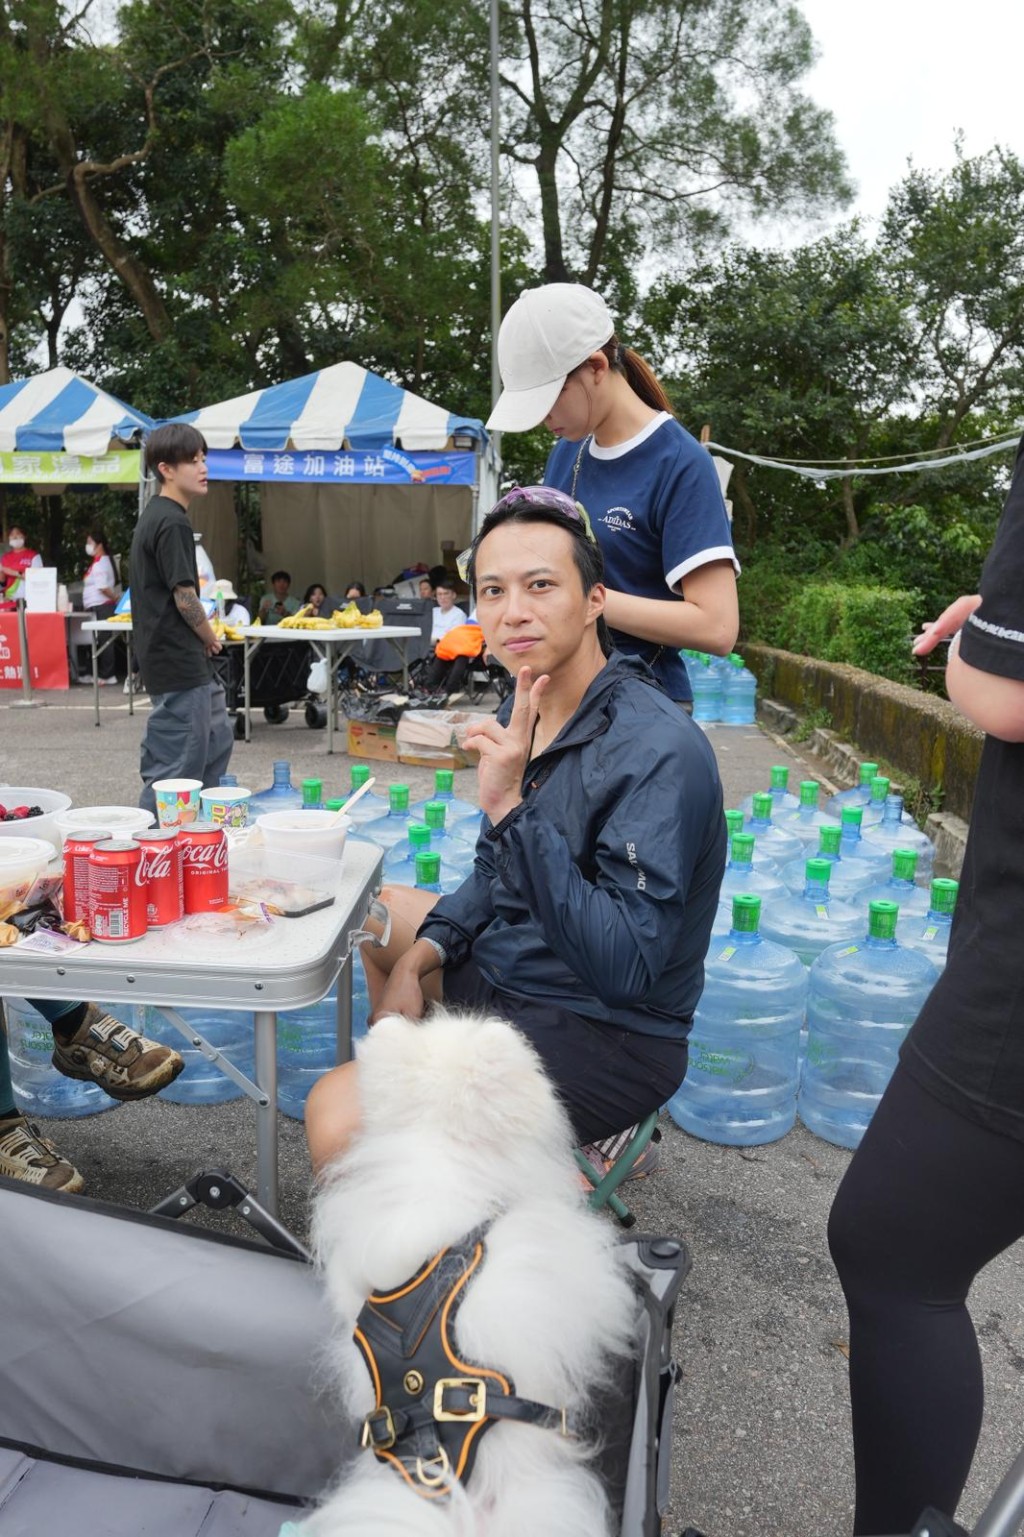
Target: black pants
<point>928,1200</point>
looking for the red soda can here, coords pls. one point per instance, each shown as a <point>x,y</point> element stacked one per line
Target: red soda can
<point>160,873</point>
<point>204,865</point>
<point>77,849</point>
<point>117,896</point>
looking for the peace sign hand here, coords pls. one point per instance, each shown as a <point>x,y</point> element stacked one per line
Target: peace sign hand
<point>505,750</point>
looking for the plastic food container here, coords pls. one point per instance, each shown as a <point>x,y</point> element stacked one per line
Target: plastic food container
<point>319,833</point>
<point>44,826</point>
<point>288,888</point>
<point>121,820</point>
<point>22,862</point>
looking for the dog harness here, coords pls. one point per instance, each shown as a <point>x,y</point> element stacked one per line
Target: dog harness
<point>433,1408</point>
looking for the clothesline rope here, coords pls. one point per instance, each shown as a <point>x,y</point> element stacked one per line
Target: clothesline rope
<point>822,471</point>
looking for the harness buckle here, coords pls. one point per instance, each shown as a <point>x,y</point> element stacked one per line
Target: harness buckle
<point>378,1431</point>
<point>477,1408</point>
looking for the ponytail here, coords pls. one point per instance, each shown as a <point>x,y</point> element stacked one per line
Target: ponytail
<point>639,375</point>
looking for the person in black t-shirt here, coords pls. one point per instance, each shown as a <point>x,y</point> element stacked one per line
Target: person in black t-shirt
<point>188,735</point>
<point>936,1188</point>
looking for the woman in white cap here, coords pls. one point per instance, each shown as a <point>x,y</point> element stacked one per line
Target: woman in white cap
<point>650,490</point>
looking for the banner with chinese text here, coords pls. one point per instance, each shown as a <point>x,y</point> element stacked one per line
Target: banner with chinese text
<point>47,650</point>
<point>113,469</point>
<point>344,466</point>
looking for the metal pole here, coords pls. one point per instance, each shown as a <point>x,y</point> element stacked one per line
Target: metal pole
<point>26,669</point>
<point>495,219</point>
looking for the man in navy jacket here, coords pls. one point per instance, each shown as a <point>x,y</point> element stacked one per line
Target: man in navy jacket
<point>588,913</point>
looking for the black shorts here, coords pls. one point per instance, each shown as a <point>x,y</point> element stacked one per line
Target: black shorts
<point>607,1078</point>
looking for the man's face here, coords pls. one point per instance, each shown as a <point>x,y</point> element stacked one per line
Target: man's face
<point>426,591</point>
<point>189,478</point>
<point>529,598</point>
<point>445,598</point>
<point>281,586</point>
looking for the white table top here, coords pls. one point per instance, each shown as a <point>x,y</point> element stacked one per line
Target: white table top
<point>274,632</point>
<point>283,965</point>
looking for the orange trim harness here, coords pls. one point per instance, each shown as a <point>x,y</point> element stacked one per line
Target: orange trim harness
<point>433,1408</point>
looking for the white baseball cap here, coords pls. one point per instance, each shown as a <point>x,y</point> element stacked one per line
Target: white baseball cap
<point>547,333</point>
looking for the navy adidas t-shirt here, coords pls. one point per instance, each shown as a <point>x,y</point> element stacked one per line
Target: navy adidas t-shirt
<point>656,509</point>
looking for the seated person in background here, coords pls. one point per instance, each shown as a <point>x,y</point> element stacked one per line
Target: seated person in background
<point>447,614</point>
<point>314,599</point>
<point>14,562</point>
<point>278,605</point>
<point>442,676</point>
<point>588,912</point>
<point>234,611</point>
<point>355,590</point>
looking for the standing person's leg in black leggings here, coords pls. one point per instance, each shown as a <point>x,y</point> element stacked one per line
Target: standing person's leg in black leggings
<point>928,1200</point>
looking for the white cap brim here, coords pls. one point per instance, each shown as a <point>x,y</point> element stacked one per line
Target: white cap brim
<point>519,410</point>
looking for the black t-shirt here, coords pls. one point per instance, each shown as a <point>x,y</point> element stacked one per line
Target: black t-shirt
<point>967,1046</point>
<point>171,654</point>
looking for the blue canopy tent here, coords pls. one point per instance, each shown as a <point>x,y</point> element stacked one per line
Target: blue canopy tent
<point>358,477</point>
<point>57,429</point>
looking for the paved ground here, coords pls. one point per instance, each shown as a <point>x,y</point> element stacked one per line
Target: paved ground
<point>762,1436</point>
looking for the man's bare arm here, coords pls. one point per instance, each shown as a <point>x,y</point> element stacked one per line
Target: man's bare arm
<point>192,611</point>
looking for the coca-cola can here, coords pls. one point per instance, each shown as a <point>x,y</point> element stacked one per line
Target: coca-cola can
<point>204,866</point>
<point>117,896</point>
<point>77,848</point>
<point>160,872</point>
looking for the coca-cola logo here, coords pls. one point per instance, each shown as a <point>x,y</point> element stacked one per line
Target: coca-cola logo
<point>155,865</point>
<point>205,856</point>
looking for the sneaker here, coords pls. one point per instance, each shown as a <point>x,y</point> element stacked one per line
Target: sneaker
<point>602,1155</point>
<point>107,682</point>
<point>124,1063</point>
<point>26,1155</point>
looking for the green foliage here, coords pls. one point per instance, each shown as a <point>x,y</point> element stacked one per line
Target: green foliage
<point>818,719</point>
<point>907,547</point>
<point>868,627</point>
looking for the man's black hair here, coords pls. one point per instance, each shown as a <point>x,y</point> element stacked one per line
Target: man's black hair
<point>586,553</point>
<point>278,574</point>
<point>177,443</point>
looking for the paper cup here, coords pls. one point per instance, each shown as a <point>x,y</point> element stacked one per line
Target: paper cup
<point>177,801</point>
<point>227,806</point>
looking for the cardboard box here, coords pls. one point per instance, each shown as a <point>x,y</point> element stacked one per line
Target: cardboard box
<point>433,738</point>
<point>369,739</point>
<point>435,758</point>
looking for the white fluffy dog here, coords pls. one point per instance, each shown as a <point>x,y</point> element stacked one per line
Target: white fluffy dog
<point>461,1126</point>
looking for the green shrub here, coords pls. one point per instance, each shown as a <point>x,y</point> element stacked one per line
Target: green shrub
<point>869,627</point>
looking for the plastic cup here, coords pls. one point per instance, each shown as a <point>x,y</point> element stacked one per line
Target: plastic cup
<point>226,806</point>
<point>177,801</point>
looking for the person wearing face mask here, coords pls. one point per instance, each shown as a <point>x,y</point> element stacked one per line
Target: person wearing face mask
<point>14,562</point>
<point>99,595</point>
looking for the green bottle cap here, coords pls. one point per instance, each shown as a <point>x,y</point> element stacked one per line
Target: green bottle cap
<point>428,869</point>
<point>335,803</point>
<point>734,820</point>
<point>780,776</point>
<point>852,816</point>
<point>746,913</point>
<point>359,775</point>
<point>944,895</point>
<point>735,659</point>
<point>904,864</point>
<point>444,779</point>
<point>434,813</point>
<point>419,835</point>
<point>808,792</point>
<point>763,806</point>
<point>829,839</point>
<point>818,870</point>
<point>879,789</point>
<point>868,772</point>
<point>882,919</point>
<point>742,848</point>
<point>398,797</point>
<point>312,792</point>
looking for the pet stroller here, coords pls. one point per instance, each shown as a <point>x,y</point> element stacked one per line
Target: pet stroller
<point>277,679</point>
<point>163,1379</point>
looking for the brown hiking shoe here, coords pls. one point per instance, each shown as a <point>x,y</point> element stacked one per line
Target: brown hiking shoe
<point>26,1155</point>
<point>124,1063</point>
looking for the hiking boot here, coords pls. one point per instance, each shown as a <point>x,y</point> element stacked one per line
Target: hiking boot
<point>28,1156</point>
<point>124,1063</point>
<point>603,1155</point>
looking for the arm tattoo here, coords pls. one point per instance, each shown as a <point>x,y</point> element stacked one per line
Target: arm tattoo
<point>189,607</point>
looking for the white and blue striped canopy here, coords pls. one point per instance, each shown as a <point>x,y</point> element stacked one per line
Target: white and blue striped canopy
<point>338,405</point>
<point>58,412</point>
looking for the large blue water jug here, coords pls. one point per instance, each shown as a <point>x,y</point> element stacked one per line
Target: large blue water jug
<point>739,695</point>
<point>280,796</point>
<point>400,867</point>
<point>456,810</point>
<point>39,1089</point>
<point>896,831</point>
<point>771,838</point>
<point>456,845</point>
<point>855,847</point>
<point>307,1043</point>
<point>930,934</point>
<point>201,1082</point>
<point>742,876</point>
<point>706,682</point>
<point>369,806</point>
<point>859,795</point>
<point>734,820</point>
<point>741,1082</point>
<point>874,810</point>
<point>911,899</point>
<point>393,827</point>
<point>783,798</point>
<point>847,879</point>
<point>863,998</point>
<point>807,924</point>
<point>806,820</point>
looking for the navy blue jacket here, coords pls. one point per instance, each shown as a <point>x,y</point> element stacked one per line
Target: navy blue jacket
<point>598,891</point>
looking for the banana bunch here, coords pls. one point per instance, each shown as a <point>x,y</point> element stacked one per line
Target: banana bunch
<point>304,619</point>
<point>351,617</point>
<point>225,631</point>
<point>120,619</point>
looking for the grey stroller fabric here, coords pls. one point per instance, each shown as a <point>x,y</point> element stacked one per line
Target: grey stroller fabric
<point>157,1380</point>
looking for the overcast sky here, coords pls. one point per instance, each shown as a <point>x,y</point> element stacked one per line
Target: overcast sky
<point>901,77</point>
